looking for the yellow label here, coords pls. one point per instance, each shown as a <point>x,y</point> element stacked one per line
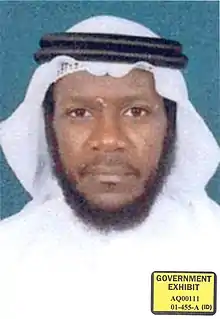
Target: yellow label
<point>183,292</point>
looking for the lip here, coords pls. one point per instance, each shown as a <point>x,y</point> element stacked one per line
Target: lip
<point>109,178</point>
<point>109,172</point>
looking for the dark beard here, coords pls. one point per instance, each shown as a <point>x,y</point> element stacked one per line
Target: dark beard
<point>127,217</point>
<point>130,215</point>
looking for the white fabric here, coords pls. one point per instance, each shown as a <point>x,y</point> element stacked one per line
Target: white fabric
<point>52,266</point>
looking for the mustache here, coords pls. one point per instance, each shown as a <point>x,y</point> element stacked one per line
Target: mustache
<point>119,161</point>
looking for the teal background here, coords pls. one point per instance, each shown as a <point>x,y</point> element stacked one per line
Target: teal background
<point>194,24</point>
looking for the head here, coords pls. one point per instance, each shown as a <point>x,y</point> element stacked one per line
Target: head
<point>112,145</point>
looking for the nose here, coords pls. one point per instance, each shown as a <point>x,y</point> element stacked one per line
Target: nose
<point>107,135</point>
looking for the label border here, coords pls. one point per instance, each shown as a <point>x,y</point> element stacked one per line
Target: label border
<point>184,312</point>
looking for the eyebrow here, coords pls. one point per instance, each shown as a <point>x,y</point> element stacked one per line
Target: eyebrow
<point>120,99</point>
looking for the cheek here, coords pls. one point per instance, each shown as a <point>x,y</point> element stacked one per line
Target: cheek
<point>148,140</point>
<point>70,141</point>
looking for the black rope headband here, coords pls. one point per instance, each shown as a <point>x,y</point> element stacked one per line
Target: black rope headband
<point>111,48</point>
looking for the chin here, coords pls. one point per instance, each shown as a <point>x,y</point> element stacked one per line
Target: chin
<point>110,202</point>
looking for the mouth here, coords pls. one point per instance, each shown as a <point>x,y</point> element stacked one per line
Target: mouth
<point>111,175</point>
<point>108,171</point>
<point>110,178</point>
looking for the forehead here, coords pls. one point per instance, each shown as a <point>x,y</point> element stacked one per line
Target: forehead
<point>84,83</point>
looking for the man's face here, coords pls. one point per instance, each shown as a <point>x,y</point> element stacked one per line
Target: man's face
<point>111,146</point>
<point>110,134</point>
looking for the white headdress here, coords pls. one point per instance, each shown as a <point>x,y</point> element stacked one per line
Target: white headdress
<point>22,135</point>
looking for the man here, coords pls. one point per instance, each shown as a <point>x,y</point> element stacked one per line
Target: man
<point>116,160</point>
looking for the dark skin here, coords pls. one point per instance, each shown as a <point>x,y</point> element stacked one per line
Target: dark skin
<point>110,134</point>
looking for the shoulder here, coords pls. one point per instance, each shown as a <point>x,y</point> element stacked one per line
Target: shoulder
<point>19,232</point>
<point>19,223</point>
<point>213,209</point>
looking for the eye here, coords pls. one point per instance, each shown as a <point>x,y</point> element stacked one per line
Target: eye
<point>80,113</point>
<point>136,112</point>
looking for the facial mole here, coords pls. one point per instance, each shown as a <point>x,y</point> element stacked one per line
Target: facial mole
<point>101,102</point>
